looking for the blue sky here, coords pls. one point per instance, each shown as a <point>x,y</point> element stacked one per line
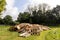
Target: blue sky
<point>20,4</point>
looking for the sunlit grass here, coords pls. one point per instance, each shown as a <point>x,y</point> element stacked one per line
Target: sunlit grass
<point>5,34</point>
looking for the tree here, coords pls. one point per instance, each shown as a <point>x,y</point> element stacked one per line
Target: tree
<point>8,20</point>
<point>2,5</point>
<point>56,13</point>
<point>41,14</point>
<point>31,8</point>
<point>1,21</point>
<point>23,17</point>
<point>43,7</point>
<point>51,19</point>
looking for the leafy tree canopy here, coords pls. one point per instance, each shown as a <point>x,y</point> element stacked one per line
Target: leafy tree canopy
<point>2,5</point>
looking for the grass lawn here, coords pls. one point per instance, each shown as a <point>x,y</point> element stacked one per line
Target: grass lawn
<point>7,35</point>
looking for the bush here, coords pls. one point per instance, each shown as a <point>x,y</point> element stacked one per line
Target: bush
<point>7,20</point>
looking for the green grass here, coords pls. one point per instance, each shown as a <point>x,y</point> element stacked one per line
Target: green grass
<point>7,35</point>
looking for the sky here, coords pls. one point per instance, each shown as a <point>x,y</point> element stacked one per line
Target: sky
<point>13,7</point>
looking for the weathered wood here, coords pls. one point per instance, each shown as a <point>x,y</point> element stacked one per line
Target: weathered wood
<point>27,29</point>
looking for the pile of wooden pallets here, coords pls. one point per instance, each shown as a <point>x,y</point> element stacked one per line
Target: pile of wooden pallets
<point>26,29</point>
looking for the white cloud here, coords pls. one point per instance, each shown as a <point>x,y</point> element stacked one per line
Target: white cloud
<point>36,1</point>
<point>25,7</point>
<point>52,3</point>
<point>10,3</point>
<point>11,10</point>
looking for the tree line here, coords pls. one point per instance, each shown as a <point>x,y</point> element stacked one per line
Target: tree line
<point>41,14</point>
